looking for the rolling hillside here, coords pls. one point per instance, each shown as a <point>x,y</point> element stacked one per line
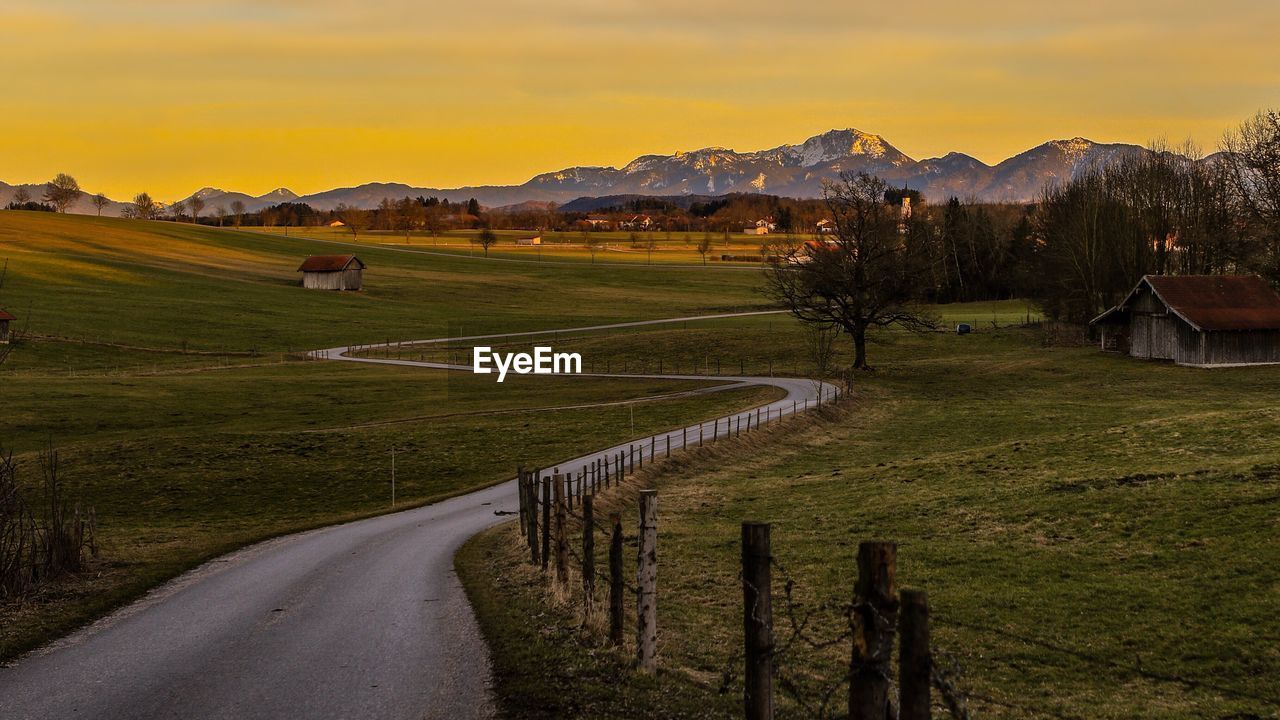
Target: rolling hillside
<point>155,358</point>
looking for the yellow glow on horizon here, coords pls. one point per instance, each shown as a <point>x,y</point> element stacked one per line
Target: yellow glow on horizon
<point>249,96</point>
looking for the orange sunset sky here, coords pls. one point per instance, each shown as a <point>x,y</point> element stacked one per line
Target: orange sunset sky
<point>250,95</point>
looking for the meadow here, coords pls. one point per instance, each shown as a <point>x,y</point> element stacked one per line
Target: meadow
<point>1096,535</point>
<point>164,363</point>
<point>614,247</point>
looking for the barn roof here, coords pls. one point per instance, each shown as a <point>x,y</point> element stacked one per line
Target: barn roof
<point>1212,302</point>
<point>329,263</point>
<point>6,316</point>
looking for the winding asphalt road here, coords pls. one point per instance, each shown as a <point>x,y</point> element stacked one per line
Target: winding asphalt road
<point>361,620</point>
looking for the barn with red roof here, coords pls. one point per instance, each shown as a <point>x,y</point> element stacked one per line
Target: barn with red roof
<point>1201,320</point>
<point>332,272</point>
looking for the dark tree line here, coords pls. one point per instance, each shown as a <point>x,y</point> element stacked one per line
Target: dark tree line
<point>1076,252</point>
<point>1086,242</point>
<point>1161,213</point>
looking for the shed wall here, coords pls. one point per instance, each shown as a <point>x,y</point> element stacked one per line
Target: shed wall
<point>350,279</point>
<point>1242,347</point>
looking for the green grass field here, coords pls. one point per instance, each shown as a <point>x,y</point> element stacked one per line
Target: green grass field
<point>162,361</point>
<point>615,247</point>
<point>1097,536</point>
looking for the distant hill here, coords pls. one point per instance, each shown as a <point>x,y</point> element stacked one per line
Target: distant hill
<point>798,171</point>
<point>215,197</point>
<point>83,206</point>
<point>788,170</point>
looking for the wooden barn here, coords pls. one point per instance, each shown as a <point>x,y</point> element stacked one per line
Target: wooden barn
<point>332,272</point>
<point>5,319</point>
<point>1201,320</point>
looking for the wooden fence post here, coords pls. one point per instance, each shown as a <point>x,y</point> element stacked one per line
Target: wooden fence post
<point>588,555</point>
<point>531,488</point>
<point>524,501</point>
<point>615,579</point>
<point>914,664</point>
<point>875,615</point>
<point>546,522</point>
<point>647,584</point>
<point>668,444</point>
<point>631,459</point>
<point>562,540</point>
<point>757,621</point>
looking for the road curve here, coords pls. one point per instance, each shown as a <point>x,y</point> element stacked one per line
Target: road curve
<point>361,620</point>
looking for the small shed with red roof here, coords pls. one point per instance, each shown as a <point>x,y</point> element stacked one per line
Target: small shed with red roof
<point>5,319</point>
<point>1202,320</point>
<point>332,272</point>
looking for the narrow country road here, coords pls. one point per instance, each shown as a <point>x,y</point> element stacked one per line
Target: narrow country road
<point>361,620</point>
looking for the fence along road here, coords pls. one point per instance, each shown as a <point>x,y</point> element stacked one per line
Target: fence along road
<point>365,619</point>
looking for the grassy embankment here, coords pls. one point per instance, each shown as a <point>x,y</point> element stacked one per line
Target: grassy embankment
<point>1097,535</point>
<point>159,364</point>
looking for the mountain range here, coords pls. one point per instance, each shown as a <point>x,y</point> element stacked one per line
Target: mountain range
<point>788,170</point>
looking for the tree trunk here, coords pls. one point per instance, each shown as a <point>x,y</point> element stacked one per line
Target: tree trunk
<point>859,348</point>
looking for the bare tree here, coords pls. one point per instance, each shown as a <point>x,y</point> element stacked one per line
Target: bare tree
<point>433,222</point>
<point>356,219</point>
<point>178,209</point>
<point>867,278</point>
<point>1252,156</point>
<point>220,212</point>
<point>21,196</point>
<point>407,215</point>
<point>704,247</point>
<point>99,202</point>
<point>237,209</point>
<point>196,203</point>
<point>820,346</point>
<point>593,244</point>
<point>143,207</point>
<point>485,239</point>
<point>286,216</point>
<point>61,192</point>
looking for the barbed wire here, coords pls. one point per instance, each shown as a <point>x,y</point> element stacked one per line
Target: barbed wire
<point>1099,661</point>
<point>815,695</point>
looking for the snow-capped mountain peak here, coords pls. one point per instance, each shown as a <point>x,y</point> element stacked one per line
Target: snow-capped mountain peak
<point>279,195</point>
<point>207,192</point>
<point>839,144</point>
